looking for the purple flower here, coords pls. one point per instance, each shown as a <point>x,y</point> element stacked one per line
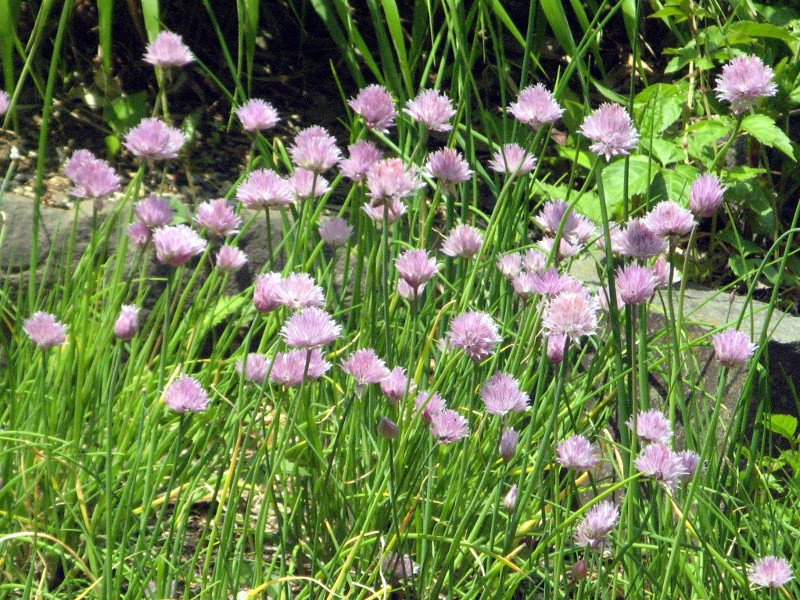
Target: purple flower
<point>576,452</point>
<point>153,139</point>
<point>5,102</point>
<point>652,426</point>
<point>92,177</point>
<point>639,241</point>
<point>556,347</point>
<point>400,567</point>
<point>255,367</point>
<point>743,81</point>
<point>691,461</point>
<point>168,50</point>
<point>391,210</point>
<point>565,248</point>
<point>502,395</point>
<point>576,228</point>
<point>288,367</point>
<point>365,366</point>
<point>388,428</point>
<point>770,571</point>
<point>175,245</point>
<point>416,267</point>
<point>572,314</point>
<point>314,149</point>
<point>660,462</point>
<point>706,195</point>
<point>335,232</point>
<point>550,283</point>
<point>661,271</point>
<point>396,385</point>
<point>475,333</point>
<point>363,155</point>
<point>186,395</point>
<point>264,188</point>
<point>257,115</point>
<point>306,184</point>
<point>127,323</point>
<point>154,211</point>
<point>512,159</point>
<point>636,284</point>
<point>310,328</point>
<point>376,105</point>
<point>510,501</point>
<point>535,107</point>
<point>433,109</point>
<point>448,166</point>
<point>733,348</point>
<point>509,441</point>
<point>510,265</point>
<point>668,219</point>
<point>299,290</point>
<point>44,330</point>
<point>217,217</point>
<point>429,404</point>
<point>390,179</point>
<point>449,426</point>
<point>600,520</point>
<point>611,129</point>
<point>265,293</point>
<point>407,292</point>
<point>464,241</point>
<point>230,259</point>
<point>139,234</point>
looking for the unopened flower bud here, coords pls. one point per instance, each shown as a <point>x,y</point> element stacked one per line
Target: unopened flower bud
<point>508,444</point>
<point>510,501</point>
<point>388,428</point>
<point>579,571</point>
<point>128,322</point>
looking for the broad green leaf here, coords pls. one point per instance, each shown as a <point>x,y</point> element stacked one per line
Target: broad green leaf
<point>747,29</point>
<point>665,151</point>
<point>657,107</point>
<point>705,137</point>
<point>785,425</point>
<point>127,111</point>
<point>743,246</point>
<point>768,133</point>
<point>674,184</point>
<point>640,173</point>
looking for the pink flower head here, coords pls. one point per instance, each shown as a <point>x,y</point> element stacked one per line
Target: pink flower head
<point>299,290</point>
<point>510,265</point>
<point>660,462</point>
<point>733,348</point>
<point>175,245</point>
<point>475,333</point>
<point>154,211</point>
<point>433,109</point>
<point>770,571</point>
<point>512,159</point>
<point>139,234</point>
<point>396,385</point>
<point>509,441</point>
<point>230,259</point>
<point>636,284</point>
<point>652,426</point>
<point>335,232</point>
<point>391,210</point>
<point>416,267</point>
<point>550,283</point>
<point>363,155</point>
<point>310,328</point>
<point>639,241</point>
<point>502,395</point>
<point>257,115</point>
<point>376,105</point>
<point>576,452</point>
<point>429,405</point>
<point>661,271</point>
<point>534,260</point>
<point>265,294</point>
<point>525,285</point>
<point>510,500</point>
<point>464,241</point>
<point>691,462</point>
<point>5,102</point>
<point>255,367</point>
<point>576,228</point>
<point>186,395</point>
<point>306,184</point>
<point>400,567</point>
<point>566,248</point>
<point>391,178</point>
<point>365,366</point>
<point>315,149</point>
<point>45,330</point>
<point>668,219</point>
<point>706,195</point>
<point>448,166</point>
<point>603,298</point>
<point>556,348</point>
<point>573,314</point>
<point>407,292</point>
<point>449,426</point>
<point>743,81</point>
<point>92,177</point>
<point>218,218</point>
<point>611,129</point>
<point>264,188</point>
<point>600,520</point>
<point>535,107</point>
<point>153,139</point>
<point>288,367</point>
<point>127,323</point>
<point>168,50</point>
